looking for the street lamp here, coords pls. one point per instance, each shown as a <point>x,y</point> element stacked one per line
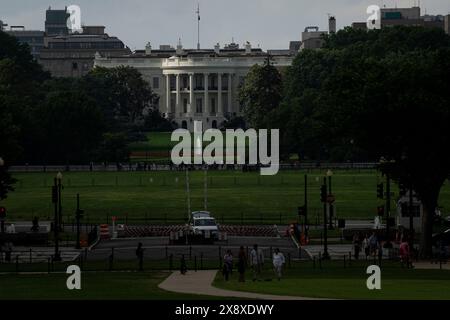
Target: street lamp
<point>56,198</point>
<point>2,214</point>
<point>329,175</point>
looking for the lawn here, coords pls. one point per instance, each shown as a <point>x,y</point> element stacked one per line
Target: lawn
<point>94,286</point>
<point>335,281</point>
<point>233,197</point>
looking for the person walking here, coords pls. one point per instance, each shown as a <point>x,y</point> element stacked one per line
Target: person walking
<point>242,264</point>
<point>365,245</point>
<point>227,265</point>
<point>373,244</point>
<point>140,256</point>
<point>257,262</point>
<point>356,245</point>
<point>278,263</point>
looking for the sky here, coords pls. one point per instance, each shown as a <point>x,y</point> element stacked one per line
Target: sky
<point>270,24</point>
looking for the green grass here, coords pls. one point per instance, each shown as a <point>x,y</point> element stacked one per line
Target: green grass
<point>233,197</point>
<point>95,286</point>
<point>335,281</point>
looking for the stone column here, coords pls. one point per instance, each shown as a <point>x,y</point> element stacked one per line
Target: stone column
<point>206,104</point>
<point>219,95</point>
<point>177,103</point>
<point>230,103</point>
<point>168,94</point>
<point>191,94</point>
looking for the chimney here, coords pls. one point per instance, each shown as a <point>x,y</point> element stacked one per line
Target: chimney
<point>217,48</point>
<point>248,48</point>
<point>148,49</point>
<point>332,24</point>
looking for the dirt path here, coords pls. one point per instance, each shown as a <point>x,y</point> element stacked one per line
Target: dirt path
<point>201,283</point>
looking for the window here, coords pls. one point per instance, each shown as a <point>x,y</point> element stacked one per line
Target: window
<point>155,82</point>
<point>213,105</point>
<point>185,105</point>
<point>199,106</point>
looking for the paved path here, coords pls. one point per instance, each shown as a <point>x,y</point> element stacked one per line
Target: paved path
<point>201,283</point>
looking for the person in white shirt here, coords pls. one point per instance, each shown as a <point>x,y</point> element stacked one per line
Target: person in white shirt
<point>278,262</point>
<point>256,261</point>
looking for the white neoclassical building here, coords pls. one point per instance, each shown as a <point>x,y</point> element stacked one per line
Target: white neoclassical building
<point>195,84</point>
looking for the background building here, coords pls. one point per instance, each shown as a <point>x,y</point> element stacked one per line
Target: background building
<point>408,17</point>
<point>34,38</point>
<point>197,84</point>
<point>56,22</point>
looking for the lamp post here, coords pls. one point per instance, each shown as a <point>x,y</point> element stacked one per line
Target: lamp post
<point>325,256</point>
<point>59,179</point>
<point>330,207</point>
<point>2,218</point>
<point>56,199</point>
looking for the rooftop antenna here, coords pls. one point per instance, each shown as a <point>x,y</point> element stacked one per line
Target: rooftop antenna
<point>198,25</point>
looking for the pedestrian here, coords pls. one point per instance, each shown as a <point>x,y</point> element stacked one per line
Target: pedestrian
<point>183,265</point>
<point>278,262</point>
<point>373,244</point>
<point>365,245</point>
<point>356,245</point>
<point>242,264</point>
<point>140,256</point>
<point>227,265</point>
<point>257,262</point>
<point>405,253</point>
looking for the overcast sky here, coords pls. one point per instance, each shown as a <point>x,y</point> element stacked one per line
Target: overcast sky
<point>268,23</point>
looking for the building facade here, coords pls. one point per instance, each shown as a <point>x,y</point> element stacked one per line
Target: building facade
<point>73,55</point>
<point>195,84</point>
<point>34,39</point>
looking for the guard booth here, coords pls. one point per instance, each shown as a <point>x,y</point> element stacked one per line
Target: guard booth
<point>403,212</point>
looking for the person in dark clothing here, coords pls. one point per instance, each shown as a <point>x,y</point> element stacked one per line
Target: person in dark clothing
<point>242,264</point>
<point>183,266</point>
<point>140,256</point>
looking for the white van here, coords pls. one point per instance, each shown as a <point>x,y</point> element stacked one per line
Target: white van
<point>203,224</point>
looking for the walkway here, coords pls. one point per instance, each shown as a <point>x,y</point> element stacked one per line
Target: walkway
<point>201,283</point>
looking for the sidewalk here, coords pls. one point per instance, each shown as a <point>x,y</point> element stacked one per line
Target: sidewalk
<point>201,283</point>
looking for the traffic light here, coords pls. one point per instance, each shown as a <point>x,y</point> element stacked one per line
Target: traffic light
<point>381,211</point>
<point>380,191</point>
<point>302,211</point>
<point>323,193</point>
<point>2,212</point>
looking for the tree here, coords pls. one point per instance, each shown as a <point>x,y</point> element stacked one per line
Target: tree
<point>114,148</point>
<point>386,92</point>
<point>121,92</point>
<point>260,94</point>
<point>6,181</point>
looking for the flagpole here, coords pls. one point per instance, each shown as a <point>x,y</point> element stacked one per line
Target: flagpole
<point>198,26</point>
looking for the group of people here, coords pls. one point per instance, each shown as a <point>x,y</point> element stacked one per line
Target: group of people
<point>373,247</point>
<point>256,262</point>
